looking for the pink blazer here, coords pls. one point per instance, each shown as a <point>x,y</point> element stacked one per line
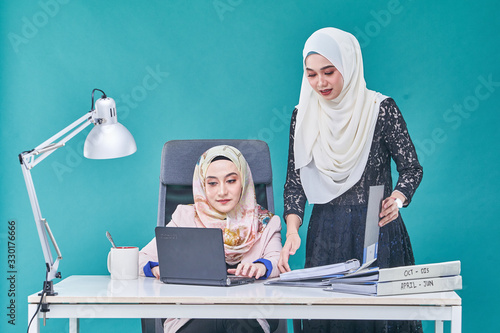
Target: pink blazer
<point>267,247</point>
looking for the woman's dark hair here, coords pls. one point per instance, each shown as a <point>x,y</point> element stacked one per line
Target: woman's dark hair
<point>220,157</point>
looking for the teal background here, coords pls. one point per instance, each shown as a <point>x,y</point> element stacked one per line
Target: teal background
<point>232,69</point>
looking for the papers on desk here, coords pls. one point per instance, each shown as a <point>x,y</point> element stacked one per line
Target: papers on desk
<point>349,277</point>
<point>317,277</point>
<point>412,279</point>
<point>314,276</point>
<point>321,271</point>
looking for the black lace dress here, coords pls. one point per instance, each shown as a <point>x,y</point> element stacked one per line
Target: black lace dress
<point>336,229</point>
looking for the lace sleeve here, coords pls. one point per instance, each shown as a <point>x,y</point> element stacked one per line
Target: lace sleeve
<point>401,148</point>
<point>293,195</point>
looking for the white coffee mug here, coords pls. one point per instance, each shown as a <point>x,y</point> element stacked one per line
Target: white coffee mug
<point>123,262</point>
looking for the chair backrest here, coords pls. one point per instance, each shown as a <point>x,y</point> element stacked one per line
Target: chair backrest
<point>178,161</point>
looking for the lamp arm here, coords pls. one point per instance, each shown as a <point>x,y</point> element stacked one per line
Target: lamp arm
<point>40,226</point>
<point>28,160</point>
<point>50,145</point>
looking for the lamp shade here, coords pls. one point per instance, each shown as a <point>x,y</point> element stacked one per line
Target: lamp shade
<point>108,138</point>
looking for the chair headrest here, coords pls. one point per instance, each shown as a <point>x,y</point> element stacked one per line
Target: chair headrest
<point>179,158</point>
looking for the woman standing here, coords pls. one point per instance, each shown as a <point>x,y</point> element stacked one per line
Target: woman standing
<point>342,139</point>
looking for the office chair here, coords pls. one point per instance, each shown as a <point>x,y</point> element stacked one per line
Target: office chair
<point>178,161</point>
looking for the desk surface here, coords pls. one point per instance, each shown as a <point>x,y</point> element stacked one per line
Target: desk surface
<point>85,289</point>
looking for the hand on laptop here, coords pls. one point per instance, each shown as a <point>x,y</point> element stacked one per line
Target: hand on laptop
<point>249,269</point>
<point>156,271</point>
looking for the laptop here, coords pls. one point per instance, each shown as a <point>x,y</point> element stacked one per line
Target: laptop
<point>194,256</point>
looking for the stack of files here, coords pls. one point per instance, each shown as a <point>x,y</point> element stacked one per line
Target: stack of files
<point>317,277</point>
<point>414,279</point>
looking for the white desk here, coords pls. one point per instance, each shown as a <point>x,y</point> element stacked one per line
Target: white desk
<point>101,297</point>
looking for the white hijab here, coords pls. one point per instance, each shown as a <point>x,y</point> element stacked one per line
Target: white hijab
<point>333,138</point>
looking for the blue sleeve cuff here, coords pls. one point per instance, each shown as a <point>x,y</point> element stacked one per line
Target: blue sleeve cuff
<point>147,268</point>
<point>269,267</point>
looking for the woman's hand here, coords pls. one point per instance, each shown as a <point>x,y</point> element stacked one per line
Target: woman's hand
<point>156,271</point>
<point>249,269</point>
<point>291,246</point>
<point>292,242</point>
<point>390,210</point>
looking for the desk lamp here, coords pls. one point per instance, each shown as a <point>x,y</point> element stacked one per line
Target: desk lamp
<point>108,139</point>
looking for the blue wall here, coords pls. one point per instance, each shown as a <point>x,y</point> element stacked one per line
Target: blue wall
<point>232,69</point>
